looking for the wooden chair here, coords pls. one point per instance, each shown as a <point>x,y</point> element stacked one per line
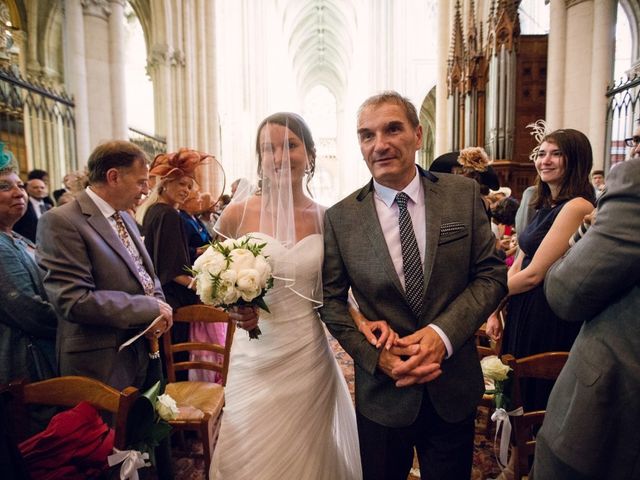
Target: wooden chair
<point>545,366</point>
<point>68,392</point>
<point>200,403</point>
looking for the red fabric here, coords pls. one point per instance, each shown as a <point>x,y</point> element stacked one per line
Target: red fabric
<point>75,445</point>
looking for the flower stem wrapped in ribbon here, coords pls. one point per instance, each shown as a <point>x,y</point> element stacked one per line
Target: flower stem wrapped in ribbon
<point>234,273</point>
<point>493,369</point>
<point>147,422</point>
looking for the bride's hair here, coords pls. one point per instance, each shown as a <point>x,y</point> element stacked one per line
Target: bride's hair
<point>299,127</point>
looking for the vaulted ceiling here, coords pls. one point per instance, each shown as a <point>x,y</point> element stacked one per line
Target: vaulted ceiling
<point>321,41</point>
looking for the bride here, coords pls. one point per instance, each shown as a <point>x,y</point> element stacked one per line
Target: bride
<point>288,413</point>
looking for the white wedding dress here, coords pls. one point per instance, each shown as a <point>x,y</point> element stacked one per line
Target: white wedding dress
<point>288,413</point>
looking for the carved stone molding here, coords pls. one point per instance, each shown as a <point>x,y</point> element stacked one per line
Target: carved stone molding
<point>177,58</point>
<point>159,56</point>
<point>96,8</point>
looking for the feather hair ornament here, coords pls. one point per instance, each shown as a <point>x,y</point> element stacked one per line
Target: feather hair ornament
<point>539,130</point>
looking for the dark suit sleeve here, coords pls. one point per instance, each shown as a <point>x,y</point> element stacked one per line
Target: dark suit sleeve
<point>487,281</point>
<point>70,282</point>
<point>334,311</point>
<point>605,263</point>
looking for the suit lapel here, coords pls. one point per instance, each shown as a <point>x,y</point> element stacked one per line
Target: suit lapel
<point>371,223</point>
<point>101,225</point>
<point>433,218</point>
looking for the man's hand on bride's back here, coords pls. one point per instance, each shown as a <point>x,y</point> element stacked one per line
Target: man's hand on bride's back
<point>245,317</point>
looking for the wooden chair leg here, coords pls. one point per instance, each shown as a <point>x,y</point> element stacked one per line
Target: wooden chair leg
<point>206,446</point>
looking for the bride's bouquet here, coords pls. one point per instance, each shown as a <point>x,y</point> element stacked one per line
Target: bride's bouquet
<point>233,272</point>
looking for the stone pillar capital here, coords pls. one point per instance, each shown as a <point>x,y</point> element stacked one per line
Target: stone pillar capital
<point>96,8</point>
<point>120,3</point>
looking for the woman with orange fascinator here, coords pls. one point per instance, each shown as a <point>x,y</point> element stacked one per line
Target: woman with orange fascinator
<point>163,229</point>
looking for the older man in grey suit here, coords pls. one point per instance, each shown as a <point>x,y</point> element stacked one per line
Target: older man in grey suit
<point>592,426</point>
<point>417,251</point>
<point>99,275</point>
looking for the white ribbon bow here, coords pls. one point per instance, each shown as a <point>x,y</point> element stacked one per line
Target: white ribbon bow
<point>132,460</point>
<point>501,416</point>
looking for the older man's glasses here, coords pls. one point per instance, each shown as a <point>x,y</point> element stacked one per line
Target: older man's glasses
<point>633,141</point>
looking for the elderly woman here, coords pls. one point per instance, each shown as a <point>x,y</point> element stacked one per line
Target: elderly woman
<point>27,320</point>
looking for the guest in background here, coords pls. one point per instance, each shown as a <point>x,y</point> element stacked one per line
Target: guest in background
<point>597,179</point>
<point>164,231</point>
<point>564,196</point>
<point>198,239</point>
<point>74,183</point>
<point>37,206</point>
<point>590,429</point>
<point>198,236</point>
<point>43,175</point>
<point>27,319</point>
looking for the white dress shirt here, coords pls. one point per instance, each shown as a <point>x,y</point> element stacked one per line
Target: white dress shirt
<point>388,216</point>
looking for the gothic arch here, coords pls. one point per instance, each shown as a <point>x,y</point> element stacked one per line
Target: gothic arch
<point>428,122</point>
<point>632,9</point>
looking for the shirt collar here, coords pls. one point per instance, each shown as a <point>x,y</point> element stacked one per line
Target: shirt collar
<point>106,209</point>
<point>388,195</point>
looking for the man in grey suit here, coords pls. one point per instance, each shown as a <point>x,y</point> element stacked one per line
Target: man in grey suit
<point>592,426</point>
<point>103,286</point>
<point>423,392</point>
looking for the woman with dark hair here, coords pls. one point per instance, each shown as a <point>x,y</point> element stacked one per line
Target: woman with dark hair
<point>288,413</point>
<point>564,196</point>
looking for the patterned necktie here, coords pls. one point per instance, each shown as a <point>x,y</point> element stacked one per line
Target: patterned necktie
<point>145,278</point>
<point>411,263</point>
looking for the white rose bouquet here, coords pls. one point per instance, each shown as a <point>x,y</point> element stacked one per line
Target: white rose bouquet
<point>234,272</point>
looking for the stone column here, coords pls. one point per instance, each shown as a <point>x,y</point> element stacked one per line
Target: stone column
<point>442,135</point>
<point>76,76</point>
<point>120,129</point>
<point>578,65</point>
<point>604,25</point>
<point>556,65</point>
<point>97,61</point>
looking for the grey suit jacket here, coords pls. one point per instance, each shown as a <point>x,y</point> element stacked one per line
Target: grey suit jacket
<point>592,422</point>
<point>464,281</point>
<point>92,281</point>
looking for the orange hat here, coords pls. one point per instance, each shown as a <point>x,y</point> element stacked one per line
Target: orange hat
<point>183,162</point>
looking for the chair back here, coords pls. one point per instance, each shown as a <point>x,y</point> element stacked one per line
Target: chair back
<point>68,392</point>
<point>543,366</point>
<point>191,314</point>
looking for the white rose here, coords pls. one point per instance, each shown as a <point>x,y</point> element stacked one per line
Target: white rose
<point>249,284</point>
<point>229,277</point>
<point>167,407</point>
<point>262,266</point>
<point>228,243</point>
<point>493,368</point>
<point>215,264</point>
<point>206,255</point>
<point>229,294</point>
<point>204,290</point>
<point>241,259</point>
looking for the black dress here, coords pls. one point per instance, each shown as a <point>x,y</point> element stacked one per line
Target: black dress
<point>531,326</point>
<point>166,242</point>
